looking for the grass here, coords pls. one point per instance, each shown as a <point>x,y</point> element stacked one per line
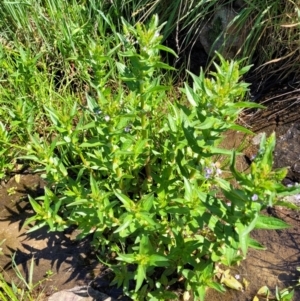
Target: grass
<point>24,289</point>
<point>273,34</point>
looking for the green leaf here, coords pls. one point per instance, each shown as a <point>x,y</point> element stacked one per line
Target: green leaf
<point>245,104</point>
<point>140,146</point>
<point>167,49</point>
<point>159,261</point>
<point>161,65</point>
<point>127,221</point>
<point>252,243</point>
<point>86,126</point>
<point>140,276</point>
<point>230,256</point>
<point>62,169</point>
<point>189,135</point>
<point>177,210</point>
<point>201,289</point>
<point>207,124</point>
<point>240,128</point>
<point>238,197</point>
<point>220,151</point>
<point>78,202</point>
<point>289,191</point>
<point>91,143</point>
<point>156,88</point>
<point>37,227</point>
<point>243,232</point>
<point>121,68</point>
<point>147,202</point>
<point>36,207</point>
<point>31,158</point>
<point>145,245</point>
<point>91,103</point>
<point>129,258</point>
<point>128,203</point>
<point>188,191</point>
<point>197,80</point>
<point>172,123</point>
<point>94,186</point>
<point>188,274</point>
<point>286,295</point>
<point>190,95</point>
<point>245,69</point>
<point>145,217</point>
<point>54,118</point>
<point>217,286</point>
<point>269,222</point>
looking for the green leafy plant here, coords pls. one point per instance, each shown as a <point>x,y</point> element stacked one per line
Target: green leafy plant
<point>286,294</point>
<point>140,172</point>
<point>6,155</point>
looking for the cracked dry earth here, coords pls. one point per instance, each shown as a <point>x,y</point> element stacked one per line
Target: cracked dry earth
<point>74,264</point>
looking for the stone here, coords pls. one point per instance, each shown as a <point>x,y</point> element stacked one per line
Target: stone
<point>218,29</point>
<point>79,293</point>
<point>257,138</point>
<point>287,150</point>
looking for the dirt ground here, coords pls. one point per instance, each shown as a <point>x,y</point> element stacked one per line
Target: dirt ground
<point>71,262</point>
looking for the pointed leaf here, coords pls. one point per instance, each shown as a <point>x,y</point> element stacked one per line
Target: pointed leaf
<point>128,203</point>
<point>36,207</point>
<point>190,95</point>
<point>269,222</point>
<point>140,276</point>
<point>252,243</point>
<point>159,261</point>
<point>127,222</point>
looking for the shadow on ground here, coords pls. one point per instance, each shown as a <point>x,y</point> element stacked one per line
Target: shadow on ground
<point>72,262</point>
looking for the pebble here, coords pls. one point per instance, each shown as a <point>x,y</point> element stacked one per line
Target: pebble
<point>80,293</point>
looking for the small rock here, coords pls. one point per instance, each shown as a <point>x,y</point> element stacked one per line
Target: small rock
<point>295,199</point>
<point>80,293</point>
<point>220,29</point>
<point>287,150</point>
<point>256,139</point>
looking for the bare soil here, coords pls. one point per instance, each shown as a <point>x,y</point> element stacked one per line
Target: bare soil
<point>72,262</point>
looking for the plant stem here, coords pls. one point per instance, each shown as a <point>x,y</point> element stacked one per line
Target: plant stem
<point>145,131</point>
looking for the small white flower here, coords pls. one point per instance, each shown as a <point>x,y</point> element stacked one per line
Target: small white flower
<point>106,118</point>
<point>208,172</point>
<point>127,129</point>
<point>237,277</point>
<point>254,197</point>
